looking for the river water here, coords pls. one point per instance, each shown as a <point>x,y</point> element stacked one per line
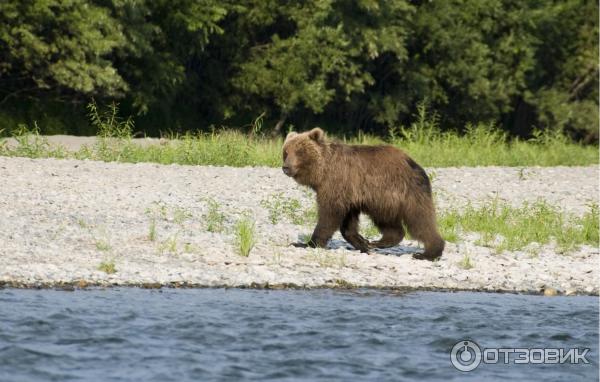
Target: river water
<point>130,334</point>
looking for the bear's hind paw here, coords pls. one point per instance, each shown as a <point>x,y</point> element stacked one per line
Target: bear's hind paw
<point>423,256</point>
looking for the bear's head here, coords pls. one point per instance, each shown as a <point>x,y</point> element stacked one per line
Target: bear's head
<point>303,156</point>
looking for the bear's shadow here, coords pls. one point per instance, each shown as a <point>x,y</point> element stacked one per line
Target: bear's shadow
<point>398,250</point>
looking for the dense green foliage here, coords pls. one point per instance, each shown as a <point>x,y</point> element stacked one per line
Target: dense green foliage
<point>179,65</point>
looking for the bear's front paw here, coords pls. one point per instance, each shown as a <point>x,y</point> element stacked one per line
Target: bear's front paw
<point>299,245</point>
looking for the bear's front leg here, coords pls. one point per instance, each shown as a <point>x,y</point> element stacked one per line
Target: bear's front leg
<point>319,238</point>
<point>328,223</point>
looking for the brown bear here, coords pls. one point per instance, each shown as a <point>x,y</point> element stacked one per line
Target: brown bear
<point>379,181</point>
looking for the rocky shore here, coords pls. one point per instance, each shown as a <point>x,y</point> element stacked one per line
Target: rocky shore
<point>69,223</point>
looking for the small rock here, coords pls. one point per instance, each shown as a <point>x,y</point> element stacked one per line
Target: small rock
<point>570,292</point>
<point>550,292</point>
<point>151,285</point>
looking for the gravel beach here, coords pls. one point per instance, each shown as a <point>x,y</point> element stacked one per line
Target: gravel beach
<point>61,219</point>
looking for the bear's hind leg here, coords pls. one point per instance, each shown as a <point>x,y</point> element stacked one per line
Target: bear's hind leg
<point>433,250</point>
<point>423,228</point>
<point>390,237</point>
<point>349,230</point>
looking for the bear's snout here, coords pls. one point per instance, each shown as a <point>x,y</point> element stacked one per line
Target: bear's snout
<point>287,171</point>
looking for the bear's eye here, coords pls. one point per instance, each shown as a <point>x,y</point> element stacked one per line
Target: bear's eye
<point>285,154</point>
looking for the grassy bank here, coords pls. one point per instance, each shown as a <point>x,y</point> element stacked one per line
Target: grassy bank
<point>504,227</point>
<point>478,146</point>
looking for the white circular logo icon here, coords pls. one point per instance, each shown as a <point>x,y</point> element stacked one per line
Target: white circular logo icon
<point>465,355</point>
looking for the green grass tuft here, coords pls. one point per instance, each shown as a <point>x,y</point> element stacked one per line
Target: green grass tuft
<point>214,218</point>
<point>108,267</point>
<point>465,262</point>
<point>152,229</point>
<point>107,122</point>
<point>169,245</point>
<point>245,234</point>
<point>180,215</point>
<point>279,206</point>
<point>102,245</point>
<point>31,144</point>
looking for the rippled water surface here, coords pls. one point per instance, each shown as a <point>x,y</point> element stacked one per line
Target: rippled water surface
<point>132,334</point>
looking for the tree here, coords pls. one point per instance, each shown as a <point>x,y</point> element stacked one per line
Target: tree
<point>62,48</point>
<point>467,58</point>
<point>347,65</point>
<point>165,40</point>
<point>319,53</point>
<point>563,88</point>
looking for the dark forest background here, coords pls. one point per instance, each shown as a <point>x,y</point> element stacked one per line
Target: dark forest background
<point>348,66</point>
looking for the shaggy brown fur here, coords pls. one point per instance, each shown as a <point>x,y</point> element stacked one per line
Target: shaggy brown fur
<point>379,181</point>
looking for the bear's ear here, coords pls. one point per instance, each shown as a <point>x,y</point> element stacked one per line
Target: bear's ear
<point>290,135</point>
<point>317,135</point>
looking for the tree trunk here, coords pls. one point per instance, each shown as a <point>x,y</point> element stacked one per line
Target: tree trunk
<point>279,125</point>
<point>524,119</point>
